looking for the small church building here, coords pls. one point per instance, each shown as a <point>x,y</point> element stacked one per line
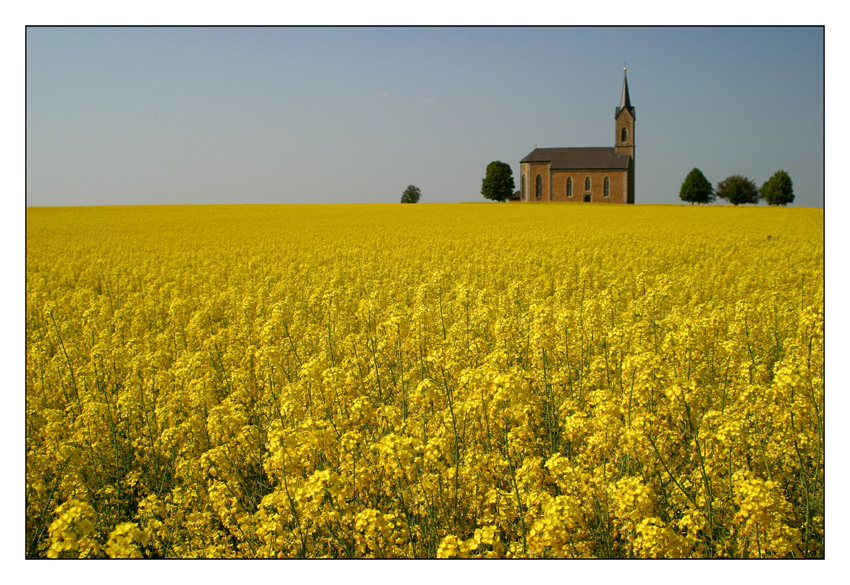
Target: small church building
<point>589,174</point>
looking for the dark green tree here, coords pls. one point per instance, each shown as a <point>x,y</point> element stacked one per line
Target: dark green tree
<point>411,195</point>
<point>778,190</point>
<point>696,188</point>
<point>737,190</point>
<point>498,184</point>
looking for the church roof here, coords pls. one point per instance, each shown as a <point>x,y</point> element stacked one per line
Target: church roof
<point>582,158</point>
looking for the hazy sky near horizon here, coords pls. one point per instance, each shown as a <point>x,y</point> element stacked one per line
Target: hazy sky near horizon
<point>127,116</point>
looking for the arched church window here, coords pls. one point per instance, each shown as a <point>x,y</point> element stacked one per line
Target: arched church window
<point>587,184</point>
<point>569,186</point>
<point>624,134</point>
<point>522,188</point>
<point>539,187</point>
<point>607,187</point>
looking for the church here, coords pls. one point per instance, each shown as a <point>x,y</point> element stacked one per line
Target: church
<point>589,174</point>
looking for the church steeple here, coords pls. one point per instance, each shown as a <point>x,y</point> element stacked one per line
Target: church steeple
<point>624,122</point>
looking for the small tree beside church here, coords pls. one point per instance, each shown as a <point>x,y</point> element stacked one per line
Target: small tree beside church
<point>738,189</point>
<point>411,195</point>
<point>498,184</point>
<point>696,188</point>
<point>778,190</point>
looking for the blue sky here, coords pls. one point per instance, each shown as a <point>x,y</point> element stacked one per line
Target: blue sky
<point>348,115</point>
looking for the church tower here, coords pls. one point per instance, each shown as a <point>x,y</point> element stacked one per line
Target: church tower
<point>624,119</point>
<point>624,141</point>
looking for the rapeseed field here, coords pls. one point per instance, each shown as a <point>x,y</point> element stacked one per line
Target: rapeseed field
<point>432,380</point>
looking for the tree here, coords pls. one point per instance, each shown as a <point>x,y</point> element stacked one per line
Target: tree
<point>778,190</point>
<point>737,190</point>
<point>498,184</point>
<point>696,188</point>
<point>411,195</point>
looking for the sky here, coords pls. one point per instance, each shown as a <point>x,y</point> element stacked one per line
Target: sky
<point>206,115</point>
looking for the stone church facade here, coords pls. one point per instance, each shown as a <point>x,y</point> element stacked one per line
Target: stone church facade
<point>589,174</point>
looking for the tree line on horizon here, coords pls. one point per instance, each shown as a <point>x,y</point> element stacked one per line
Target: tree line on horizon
<point>737,189</point>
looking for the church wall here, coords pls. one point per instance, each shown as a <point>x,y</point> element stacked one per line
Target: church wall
<point>531,170</point>
<point>622,187</point>
<point>618,180</point>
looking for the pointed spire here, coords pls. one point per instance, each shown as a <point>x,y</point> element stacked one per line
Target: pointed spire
<point>625,102</point>
<point>624,99</point>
